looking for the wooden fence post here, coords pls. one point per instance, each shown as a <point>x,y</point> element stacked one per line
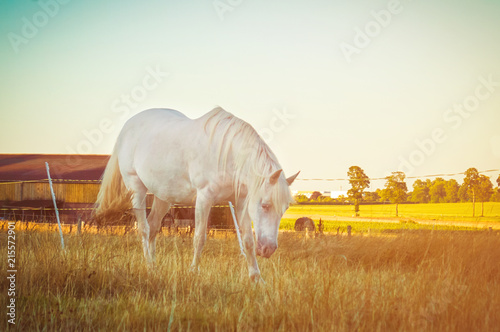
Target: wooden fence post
<point>79,225</point>
<point>349,228</point>
<point>320,227</point>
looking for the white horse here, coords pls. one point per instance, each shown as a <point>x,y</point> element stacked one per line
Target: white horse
<point>205,161</point>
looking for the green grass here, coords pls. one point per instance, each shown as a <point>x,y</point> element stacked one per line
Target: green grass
<point>441,211</point>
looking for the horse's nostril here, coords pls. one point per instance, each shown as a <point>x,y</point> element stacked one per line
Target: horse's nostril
<point>269,250</point>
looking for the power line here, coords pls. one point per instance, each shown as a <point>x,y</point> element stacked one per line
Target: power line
<point>47,180</point>
<point>408,177</point>
<point>299,179</point>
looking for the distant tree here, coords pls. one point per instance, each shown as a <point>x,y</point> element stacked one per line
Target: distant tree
<point>384,195</point>
<point>371,196</point>
<point>359,182</point>
<point>496,193</point>
<point>437,190</point>
<point>315,195</point>
<point>324,199</point>
<point>452,187</point>
<point>496,196</point>
<point>463,195</point>
<point>341,199</point>
<point>301,199</point>
<point>471,182</point>
<point>395,189</point>
<point>484,191</point>
<point>420,192</point>
<point>381,194</point>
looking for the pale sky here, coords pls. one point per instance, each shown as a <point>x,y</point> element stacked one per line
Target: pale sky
<point>384,85</point>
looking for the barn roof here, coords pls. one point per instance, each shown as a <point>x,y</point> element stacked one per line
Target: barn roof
<point>23,167</point>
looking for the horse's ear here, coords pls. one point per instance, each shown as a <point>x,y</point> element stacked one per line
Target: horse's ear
<point>292,178</point>
<point>276,175</point>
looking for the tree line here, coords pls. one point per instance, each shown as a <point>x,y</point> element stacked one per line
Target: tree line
<point>476,187</point>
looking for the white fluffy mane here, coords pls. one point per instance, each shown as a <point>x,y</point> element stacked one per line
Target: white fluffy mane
<point>253,161</point>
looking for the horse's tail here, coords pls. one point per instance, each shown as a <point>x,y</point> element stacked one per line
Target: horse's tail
<point>114,200</point>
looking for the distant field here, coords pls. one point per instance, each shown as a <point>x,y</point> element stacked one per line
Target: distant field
<point>377,218</point>
<point>365,227</point>
<point>441,211</point>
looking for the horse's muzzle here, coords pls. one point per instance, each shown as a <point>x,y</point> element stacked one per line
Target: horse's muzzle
<point>266,250</point>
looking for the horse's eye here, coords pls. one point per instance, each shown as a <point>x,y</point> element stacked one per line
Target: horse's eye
<point>266,207</point>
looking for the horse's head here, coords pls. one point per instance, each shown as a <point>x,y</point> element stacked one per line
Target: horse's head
<point>266,207</point>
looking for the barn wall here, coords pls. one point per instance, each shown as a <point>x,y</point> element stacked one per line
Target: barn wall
<point>67,192</point>
<point>86,192</point>
<point>10,191</point>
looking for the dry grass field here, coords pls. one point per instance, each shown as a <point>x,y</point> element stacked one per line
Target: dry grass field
<point>414,281</point>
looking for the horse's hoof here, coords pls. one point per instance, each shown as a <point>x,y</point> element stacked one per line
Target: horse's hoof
<point>150,265</point>
<point>256,278</point>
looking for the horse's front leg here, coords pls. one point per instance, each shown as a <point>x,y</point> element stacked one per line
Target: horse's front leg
<point>202,210</point>
<point>245,225</point>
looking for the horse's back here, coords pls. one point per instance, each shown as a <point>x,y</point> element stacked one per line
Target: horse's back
<point>155,115</point>
<point>158,146</point>
<point>150,121</point>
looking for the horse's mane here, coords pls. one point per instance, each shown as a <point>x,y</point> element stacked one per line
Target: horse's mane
<point>253,162</point>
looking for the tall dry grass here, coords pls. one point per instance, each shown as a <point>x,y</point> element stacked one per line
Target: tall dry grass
<point>441,281</point>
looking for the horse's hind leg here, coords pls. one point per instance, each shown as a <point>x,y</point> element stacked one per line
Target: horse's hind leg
<point>158,211</point>
<point>202,210</point>
<point>139,205</point>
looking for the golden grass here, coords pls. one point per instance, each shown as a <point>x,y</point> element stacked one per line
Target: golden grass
<point>443,281</point>
<point>68,228</point>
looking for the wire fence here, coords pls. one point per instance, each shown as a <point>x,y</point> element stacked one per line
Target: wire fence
<point>407,177</point>
<point>45,214</point>
<point>178,216</point>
